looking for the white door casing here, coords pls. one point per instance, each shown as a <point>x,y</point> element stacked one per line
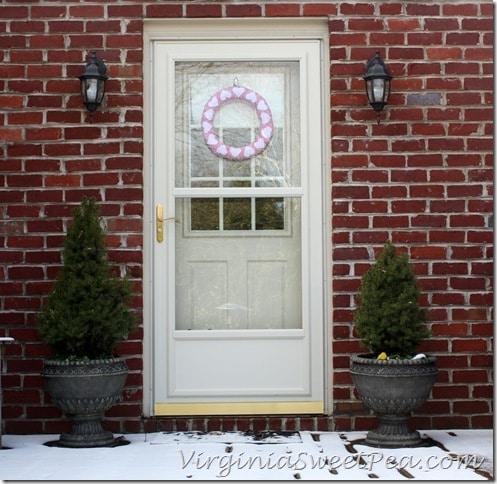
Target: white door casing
<point>265,353</point>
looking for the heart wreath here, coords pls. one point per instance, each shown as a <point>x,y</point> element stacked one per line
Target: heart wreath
<point>237,153</point>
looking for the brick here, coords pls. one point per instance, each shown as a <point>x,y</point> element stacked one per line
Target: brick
<point>370,176</point>
<point>101,148</point>
<point>455,391</point>
<point>463,38</point>
<point>471,314</point>
<point>484,361</point>
<point>38,134</point>
<point>100,179</point>
<point>470,407</point>
<point>389,160</point>
<point>169,10</point>
<point>62,180</point>
<point>481,422</point>
<point>46,41</point>
<point>350,222</point>
<point>85,132</point>
<point>246,10</point>
<point>203,10</point>
<point>282,10</point>
<point>26,56</point>
<point>319,9</point>
<point>394,191</point>
<point>480,114</point>
<point>444,53</point>
<point>62,149</point>
<point>350,160</point>
<point>467,221</point>
<point>24,180</point>
<point>469,345</point>
<point>44,101</point>
<point>365,24</point>
<point>451,329</point>
<point>93,41</point>
<point>11,134</point>
<point>123,41</point>
<point>482,391</point>
<point>46,11</point>
<point>424,38</point>
<point>428,129</point>
<point>477,24</point>
<point>66,85</point>
<point>12,71</point>
<point>403,24</point>
<point>27,26</point>
<point>106,26</point>
<point>85,12</point>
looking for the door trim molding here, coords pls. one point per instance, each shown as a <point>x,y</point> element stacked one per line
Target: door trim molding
<point>219,29</point>
<point>237,28</point>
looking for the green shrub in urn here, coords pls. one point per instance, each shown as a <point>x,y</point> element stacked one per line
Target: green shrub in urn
<point>389,319</point>
<point>86,313</point>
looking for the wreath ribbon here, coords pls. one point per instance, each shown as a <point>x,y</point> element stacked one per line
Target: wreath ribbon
<point>230,94</point>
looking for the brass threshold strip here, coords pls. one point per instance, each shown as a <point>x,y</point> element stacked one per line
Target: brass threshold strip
<point>239,408</point>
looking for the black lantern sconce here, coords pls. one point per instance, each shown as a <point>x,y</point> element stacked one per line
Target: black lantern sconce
<point>377,84</point>
<point>93,82</point>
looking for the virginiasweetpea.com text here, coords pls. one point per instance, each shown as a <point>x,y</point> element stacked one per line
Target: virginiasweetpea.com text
<point>225,464</point>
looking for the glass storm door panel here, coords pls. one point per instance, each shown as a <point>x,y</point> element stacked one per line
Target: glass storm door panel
<point>238,253</point>
<point>238,274</point>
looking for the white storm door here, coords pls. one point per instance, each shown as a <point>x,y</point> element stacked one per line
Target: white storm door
<point>238,272</point>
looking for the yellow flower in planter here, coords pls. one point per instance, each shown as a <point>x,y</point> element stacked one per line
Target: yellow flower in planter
<point>382,356</point>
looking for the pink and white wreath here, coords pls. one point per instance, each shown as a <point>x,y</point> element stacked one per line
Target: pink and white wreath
<point>237,153</point>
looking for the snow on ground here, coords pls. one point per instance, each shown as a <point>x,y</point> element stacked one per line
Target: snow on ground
<point>446,455</point>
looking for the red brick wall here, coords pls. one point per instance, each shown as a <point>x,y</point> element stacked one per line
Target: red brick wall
<point>422,178</point>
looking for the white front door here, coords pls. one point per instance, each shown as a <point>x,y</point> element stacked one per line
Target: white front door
<point>238,240</point>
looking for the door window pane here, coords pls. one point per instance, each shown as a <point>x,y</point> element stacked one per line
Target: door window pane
<point>269,214</point>
<point>235,278</point>
<point>204,214</point>
<point>238,258</point>
<point>236,123</point>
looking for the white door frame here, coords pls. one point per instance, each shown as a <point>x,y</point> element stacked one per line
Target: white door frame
<point>212,29</point>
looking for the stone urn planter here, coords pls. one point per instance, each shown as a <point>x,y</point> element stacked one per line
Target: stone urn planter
<point>84,391</point>
<point>85,316</point>
<point>392,380</point>
<point>393,389</point>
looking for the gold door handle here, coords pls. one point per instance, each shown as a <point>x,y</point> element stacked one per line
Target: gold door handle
<point>159,223</point>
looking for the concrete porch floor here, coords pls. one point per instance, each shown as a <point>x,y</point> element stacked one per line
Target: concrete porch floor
<point>445,455</point>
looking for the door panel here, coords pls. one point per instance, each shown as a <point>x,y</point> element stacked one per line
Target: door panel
<point>246,363</point>
<point>238,282</point>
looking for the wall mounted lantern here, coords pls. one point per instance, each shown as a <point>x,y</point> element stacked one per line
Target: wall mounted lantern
<point>93,83</point>
<point>377,84</point>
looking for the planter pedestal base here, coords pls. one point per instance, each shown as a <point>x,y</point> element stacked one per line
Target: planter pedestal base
<point>86,431</point>
<point>393,432</point>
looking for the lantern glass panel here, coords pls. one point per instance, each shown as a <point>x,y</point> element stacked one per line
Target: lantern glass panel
<point>91,86</point>
<point>387,89</point>
<point>100,91</point>
<point>378,90</point>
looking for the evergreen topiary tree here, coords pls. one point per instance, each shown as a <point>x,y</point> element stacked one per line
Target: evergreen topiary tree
<point>389,318</point>
<point>86,313</point>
